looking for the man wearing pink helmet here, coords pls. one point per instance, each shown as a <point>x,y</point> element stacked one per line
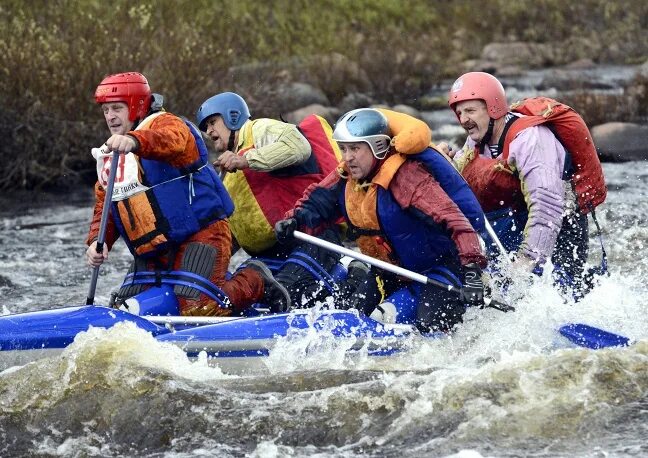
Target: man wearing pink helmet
<point>524,179</point>
<point>169,206</point>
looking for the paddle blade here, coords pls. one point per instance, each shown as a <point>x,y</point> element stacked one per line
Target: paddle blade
<point>587,336</point>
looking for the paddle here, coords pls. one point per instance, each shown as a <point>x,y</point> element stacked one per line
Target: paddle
<point>395,269</point>
<point>588,336</point>
<point>102,225</point>
<point>580,334</point>
<point>497,241</point>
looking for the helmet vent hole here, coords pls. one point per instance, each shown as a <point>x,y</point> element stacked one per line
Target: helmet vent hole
<point>382,145</point>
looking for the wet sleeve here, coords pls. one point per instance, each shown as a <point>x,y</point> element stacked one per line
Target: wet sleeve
<point>167,139</point>
<point>539,159</point>
<point>319,207</point>
<point>415,189</point>
<point>276,145</point>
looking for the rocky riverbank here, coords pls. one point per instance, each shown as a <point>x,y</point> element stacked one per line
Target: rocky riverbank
<point>611,98</point>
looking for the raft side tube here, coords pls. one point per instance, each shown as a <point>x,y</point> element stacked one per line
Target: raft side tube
<point>50,329</point>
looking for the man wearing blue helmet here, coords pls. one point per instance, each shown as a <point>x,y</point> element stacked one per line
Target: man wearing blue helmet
<point>270,164</point>
<point>406,205</point>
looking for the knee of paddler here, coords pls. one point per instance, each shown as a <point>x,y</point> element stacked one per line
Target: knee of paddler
<point>203,308</point>
<point>438,315</point>
<point>200,259</point>
<point>357,273</point>
<point>275,295</point>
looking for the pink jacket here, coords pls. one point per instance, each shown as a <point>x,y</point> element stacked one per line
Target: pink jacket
<point>539,158</point>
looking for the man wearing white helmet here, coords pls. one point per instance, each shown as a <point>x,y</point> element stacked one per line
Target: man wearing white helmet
<point>391,191</point>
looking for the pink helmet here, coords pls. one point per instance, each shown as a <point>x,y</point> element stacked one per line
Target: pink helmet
<point>479,86</point>
<point>130,88</point>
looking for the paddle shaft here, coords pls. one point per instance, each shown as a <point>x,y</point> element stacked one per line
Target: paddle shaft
<point>207,320</point>
<point>102,225</point>
<point>189,320</point>
<point>497,241</point>
<point>373,261</point>
<point>394,269</point>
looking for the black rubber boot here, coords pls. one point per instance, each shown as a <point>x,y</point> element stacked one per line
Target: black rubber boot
<point>275,295</point>
<point>438,310</point>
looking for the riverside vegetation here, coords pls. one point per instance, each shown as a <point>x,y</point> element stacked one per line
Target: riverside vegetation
<point>53,54</point>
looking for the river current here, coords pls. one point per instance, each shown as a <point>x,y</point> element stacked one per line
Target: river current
<point>504,385</point>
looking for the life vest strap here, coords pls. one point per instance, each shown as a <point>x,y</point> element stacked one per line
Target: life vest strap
<point>182,278</point>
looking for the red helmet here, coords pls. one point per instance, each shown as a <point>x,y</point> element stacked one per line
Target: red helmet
<point>130,88</point>
<point>480,86</point>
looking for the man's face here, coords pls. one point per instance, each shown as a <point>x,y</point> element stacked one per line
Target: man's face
<point>359,159</point>
<point>116,114</point>
<point>218,132</point>
<point>473,116</point>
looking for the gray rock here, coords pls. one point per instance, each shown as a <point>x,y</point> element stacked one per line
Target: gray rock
<point>571,80</point>
<point>642,72</point>
<point>439,118</point>
<point>355,100</point>
<point>402,108</point>
<point>621,141</point>
<point>331,114</point>
<point>519,53</point>
<point>581,64</point>
<point>292,96</point>
<point>492,67</point>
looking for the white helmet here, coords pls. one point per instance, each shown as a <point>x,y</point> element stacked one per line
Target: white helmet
<point>364,125</point>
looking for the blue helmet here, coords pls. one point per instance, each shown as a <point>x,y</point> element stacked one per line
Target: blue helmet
<point>229,105</point>
<point>365,125</point>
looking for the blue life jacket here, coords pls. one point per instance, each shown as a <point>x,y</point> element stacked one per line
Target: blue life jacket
<point>418,246</point>
<point>182,200</point>
<point>454,185</point>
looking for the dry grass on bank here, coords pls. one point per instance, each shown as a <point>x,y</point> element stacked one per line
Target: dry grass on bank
<point>53,54</point>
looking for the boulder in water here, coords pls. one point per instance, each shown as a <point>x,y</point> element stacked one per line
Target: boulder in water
<point>621,141</point>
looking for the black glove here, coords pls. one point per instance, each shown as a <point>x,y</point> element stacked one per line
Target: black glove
<point>472,292</point>
<point>285,230</point>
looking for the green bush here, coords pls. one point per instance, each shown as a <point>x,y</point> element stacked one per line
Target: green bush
<point>54,53</point>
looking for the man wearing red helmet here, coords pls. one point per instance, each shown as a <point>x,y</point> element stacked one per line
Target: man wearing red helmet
<point>522,176</point>
<point>168,204</point>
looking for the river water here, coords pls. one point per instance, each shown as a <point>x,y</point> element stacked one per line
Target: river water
<point>503,385</point>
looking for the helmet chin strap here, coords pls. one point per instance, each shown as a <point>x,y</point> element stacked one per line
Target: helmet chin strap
<point>365,181</point>
<point>230,142</point>
<point>374,168</point>
<point>489,133</point>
